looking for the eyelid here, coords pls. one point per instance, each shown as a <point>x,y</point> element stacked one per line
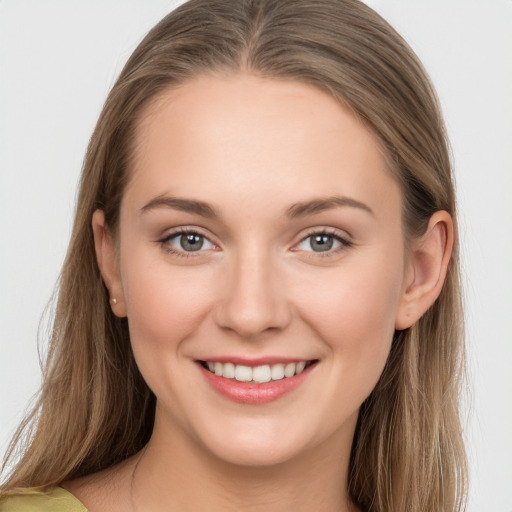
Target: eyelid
<point>343,237</point>
<point>185,230</point>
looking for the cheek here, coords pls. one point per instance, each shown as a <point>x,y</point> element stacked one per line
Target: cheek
<point>353,310</point>
<point>164,303</point>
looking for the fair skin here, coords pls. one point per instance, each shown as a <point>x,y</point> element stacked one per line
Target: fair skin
<point>280,272</point>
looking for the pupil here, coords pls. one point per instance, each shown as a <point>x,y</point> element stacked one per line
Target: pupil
<point>322,243</point>
<point>191,242</point>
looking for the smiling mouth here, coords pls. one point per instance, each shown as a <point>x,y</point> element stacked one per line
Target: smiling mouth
<point>257,374</point>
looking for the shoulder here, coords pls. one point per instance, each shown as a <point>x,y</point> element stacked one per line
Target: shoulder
<point>54,500</point>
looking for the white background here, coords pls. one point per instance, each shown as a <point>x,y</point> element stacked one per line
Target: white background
<point>58,59</point>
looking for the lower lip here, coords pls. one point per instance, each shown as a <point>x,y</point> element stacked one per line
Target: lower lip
<point>251,393</point>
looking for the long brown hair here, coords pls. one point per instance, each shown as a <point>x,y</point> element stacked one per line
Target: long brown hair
<point>94,408</point>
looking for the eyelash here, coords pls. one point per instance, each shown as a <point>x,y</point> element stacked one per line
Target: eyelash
<point>345,244</point>
<point>164,242</point>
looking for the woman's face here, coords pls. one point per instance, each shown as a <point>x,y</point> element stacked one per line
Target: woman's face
<point>260,228</point>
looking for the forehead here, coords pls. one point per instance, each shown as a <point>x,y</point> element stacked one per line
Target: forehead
<point>260,140</point>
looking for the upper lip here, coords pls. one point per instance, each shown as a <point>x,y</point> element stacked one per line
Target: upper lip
<point>258,361</point>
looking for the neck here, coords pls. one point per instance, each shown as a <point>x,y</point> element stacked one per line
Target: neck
<point>175,473</point>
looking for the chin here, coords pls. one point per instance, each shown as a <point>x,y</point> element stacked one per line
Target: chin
<point>264,442</point>
<point>251,451</point>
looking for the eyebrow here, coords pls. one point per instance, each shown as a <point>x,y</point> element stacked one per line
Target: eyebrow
<point>296,210</point>
<point>322,204</point>
<point>184,205</point>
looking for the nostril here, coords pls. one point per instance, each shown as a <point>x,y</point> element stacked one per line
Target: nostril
<point>250,318</point>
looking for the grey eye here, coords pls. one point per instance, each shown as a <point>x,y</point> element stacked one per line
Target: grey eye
<point>189,242</point>
<point>320,242</point>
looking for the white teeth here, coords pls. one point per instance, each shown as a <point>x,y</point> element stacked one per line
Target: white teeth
<point>229,371</point>
<point>277,372</point>
<point>300,367</point>
<point>289,370</point>
<point>243,373</point>
<point>218,369</point>
<point>257,374</point>
<point>261,374</point>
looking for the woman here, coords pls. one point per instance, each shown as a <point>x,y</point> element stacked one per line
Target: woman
<point>260,307</point>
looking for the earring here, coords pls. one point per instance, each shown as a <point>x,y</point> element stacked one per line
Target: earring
<point>114,301</point>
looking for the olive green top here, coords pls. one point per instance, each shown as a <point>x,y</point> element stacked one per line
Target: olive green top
<point>54,500</point>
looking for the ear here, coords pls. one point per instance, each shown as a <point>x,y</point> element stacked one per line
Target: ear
<point>107,263</point>
<point>427,265</point>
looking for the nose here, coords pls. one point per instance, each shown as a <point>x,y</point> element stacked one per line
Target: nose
<point>253,299</point>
